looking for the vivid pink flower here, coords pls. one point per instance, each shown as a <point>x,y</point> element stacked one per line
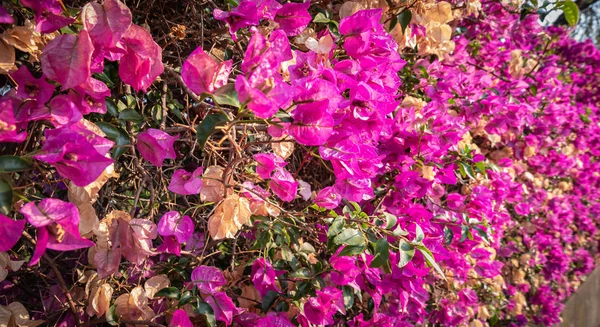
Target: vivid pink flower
<point>320,310</point>
<point>76,153</point>
<point>328,198</point>
<point>283,184</point>
<point>223,307</point>
<point>61,111</point>
<point>312,124</point>
<point>176,230</point>
<point>266,163</point>
<point>106,23</point>
<point>208,279</point>
<point>142,61</point>
<point>180,319</point>
<point>5,17</point>
<point>201,73</point>
<point>9,131</point>
<point>264,276</point>
<point>186,183</point>
<point>91,96</point>
<point>67,59</point>
<point>48,15</point>
<point>57,224</point>
<point>274,320</point>
<point>11,231</point>
<point>155,146</point>
<point>32,88</point>
<point>293,17</point>
<point>244,15</point>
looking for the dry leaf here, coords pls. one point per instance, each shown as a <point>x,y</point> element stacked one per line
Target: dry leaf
<point>156,284</point>
<point>23,39</point>
<point>249,298</point>
<point>134,306</point>
<point>7,57</point>
<point>282,149</point>
<point>6,264</point>
<point>99,299</point>
<point>15,315</point>
<point>212,188</point>
<point>349,8</point>
<point>229,216</point>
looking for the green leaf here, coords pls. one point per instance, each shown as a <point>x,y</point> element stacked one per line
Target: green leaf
<point>117,135</point>
<point>130,101</point>
<point>448,235</point>
<point>466,170</point>
<point>321,18</point>
<point>112,318</point>
<point>205,309</point>
<point>336,227</point>
<point>6,196</point>
<point>349,236</point>
<point>170,292</point>
<point>404,19</point>
<point>207,127</point>
<point>482,233</point>
<point>571,12</point>
<point>430,260</point>
<point>10,164</point>
<point>481,167</point>
<point>407,252</point>
<point>348,297</point>
<point>268,300</point>
<point>111,107</point>
<point>352,250</point>
<point>185,298</point>
<point>227,95</point>
<point>131,115</point>
<point>419,236</point>
<point>382,253</point>
<point>302,273</point>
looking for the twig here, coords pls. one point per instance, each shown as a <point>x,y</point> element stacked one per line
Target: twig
<point>61,281</point>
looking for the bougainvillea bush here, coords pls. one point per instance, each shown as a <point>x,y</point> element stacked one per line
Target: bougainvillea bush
<point>325,163</point>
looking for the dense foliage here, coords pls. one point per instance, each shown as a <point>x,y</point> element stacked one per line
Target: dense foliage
<point>260,163</point>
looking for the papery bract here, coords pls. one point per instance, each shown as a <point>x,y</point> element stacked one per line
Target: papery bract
<point>312,124</point>
<point>32,88</point>
<point>283,184</point>
<point>12,230</point>
<point>208,279</point>
<point>155,146</point>
<point>5,17</point>
<point>223,307</point>
<point>67,59</point>
<point>176,230</point>
<point>263,276</point>
<point>9,132</point>
<point>142,61</point>
<point>106,23</point>
<point>185,183</point>
<point>266,163</point>
<point>293,17</point>
<point>57,224</point>
<point>202,74</point>
<point>328,198</point>
<point>180,319</point>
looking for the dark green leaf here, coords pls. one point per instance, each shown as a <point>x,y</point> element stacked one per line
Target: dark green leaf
<point>6,195</point>
<point>302,273</point>
<point>404,19</point>
<point>170,292</point>
<point>112,318</point>
<point>111,107</point>
<point>117,135</point>
<point>336,227</point>
<point>482,233</point>
<point>390,220</point>
<point>352,250</point>
<point>205,309</point>
<point>466,170</point>
<point>9,164</point>
<point>571,12</point>
<point>382,253</point>
<point>207,127</point>
<point>131,115</point>
<point>348,297</point>
<point>349,236</point>
<point>407,252</point>
<point>227,95</point>
<point>268,300</point>
<point>185,298</point>
<point>448,235</point>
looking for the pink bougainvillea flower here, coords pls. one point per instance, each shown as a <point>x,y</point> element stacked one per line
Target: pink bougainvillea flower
<point>32,88</point>
<point>67,59</point>
<point>264,276</point>
<point>293,17</point>
<point>185,183</point>
<point>320,310</point>
<point>244,15</point>
<point>61,111</point>
<point>57,224</point>
<point>11,231</point>
<point>5,17</point>
<point>354,189</point>
<point>283,184</point>
<point>266,163</point>
<point>142,61</point>
<point>106,23</point>
<point>91,96</point>
<point>346,271</point>
<point>48,15</point>
<point>328,198</point>
<point>274,320</point>
<point>312,124</point>
<point>76,153</point>
<point>201,73</point>
<point>9,132</point>
<point>208,279</point>
<point>180,319</point>
<point>176,230</point>
<point>223,307</point>
<point>155,146</point>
